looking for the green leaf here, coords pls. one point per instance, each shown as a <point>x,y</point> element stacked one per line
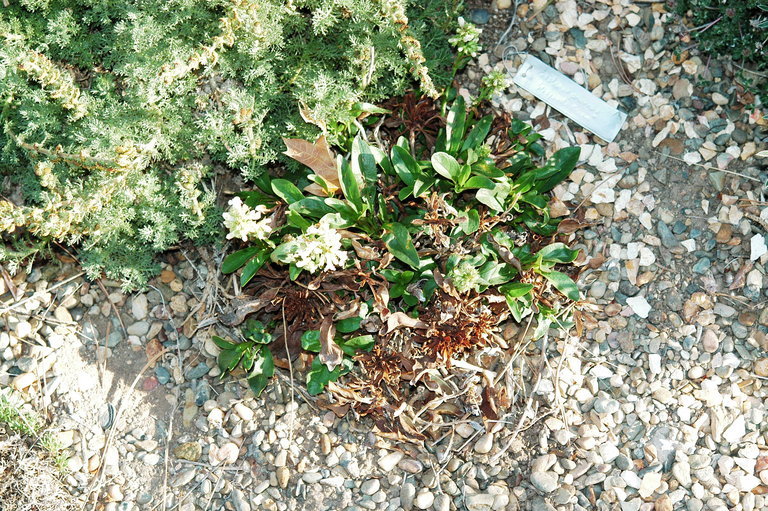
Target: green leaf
<point>362,342</point>
<point>405,165</point>
<point>363,161</point>
<point>494,273</point>
<point>313,207</point>
<point>399,242</point>
<point>349,325</point>
<point>293,271</point>
<point>563,162</point>
<point>535,199</point>
<point>422,185</point>
<point>563,283</point>
<point>470,223</point>
<point>495,198</point>
<point>228,359</point>
<point>557,253</point>
<point>222,343</point>
<point>258,383</point>
<point>361,107</point>
<point>516,289</point>
<point>310,340</point>
<point>253,266</point>
<point>477,135</point>
<point>286,191</point>
<point>350,186</point>
<point>455,124</point>
<point>319,376</point>
<point>479,182</point>
<point>446,165</point>
<point>237,259</point>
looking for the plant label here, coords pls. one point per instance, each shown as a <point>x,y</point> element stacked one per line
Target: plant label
<point>569,98</point>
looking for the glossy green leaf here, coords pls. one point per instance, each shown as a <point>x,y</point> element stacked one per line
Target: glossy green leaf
<point>563,161</point>
<point>494,273</point>
<point>516,289</point>
<point>362,342</point>
<point>405,165</point>
<point>350,186</point>
<point>253,266</point>
<point>310,341</point>
<point>313,207</point>
<point>495,198</point>
<point>470,223</point>
<point>319,376</point>
<point>363,162</point>
<point>222,343</point>
<point>228,359</point>
<point>558,253</point>
<point>348,325</point>
<point>478,134</point>
<point>286,191</point>
<point>446,165</point>
<point>479,182</point>
<point>399,243</point>
<point>237,259</point>
<point>564,284</point>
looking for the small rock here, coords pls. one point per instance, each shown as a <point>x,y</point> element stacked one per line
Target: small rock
<point>761,367</point>
<point>649,484</point>
<point>709,341</point>
<point>484,444</point>
<point>735,431</point>
<point>139,307</point>
<point>424,500</point>
<point>370,486</point>
<point>283,476</point>
<point>183,478</point>
<point>190,451</point>
<point>407,494</point>
<point>479,16</point>
<point>390,461</point>
<point>719,99</point>
<point>545,482</point>
<point>640,306</point>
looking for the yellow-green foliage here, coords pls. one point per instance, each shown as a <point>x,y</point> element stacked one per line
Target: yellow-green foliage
<point>114,116</point>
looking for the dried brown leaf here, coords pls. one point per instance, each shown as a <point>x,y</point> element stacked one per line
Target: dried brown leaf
<point>557,208</point>
<point>401,319</point>
<point>331,353</point>
<point>570,225</point>
<point>318,157</point>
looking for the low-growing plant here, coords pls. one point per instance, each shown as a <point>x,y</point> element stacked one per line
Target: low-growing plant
<point>738,29</point>
<point>444,238</point>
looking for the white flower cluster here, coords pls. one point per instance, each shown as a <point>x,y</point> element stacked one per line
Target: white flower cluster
<point>465,277</point>
<point>318,249</point>
<point>246,223</point>
<point>467,39</point>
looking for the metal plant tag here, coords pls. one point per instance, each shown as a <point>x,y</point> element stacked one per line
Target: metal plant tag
<point>569,98</point>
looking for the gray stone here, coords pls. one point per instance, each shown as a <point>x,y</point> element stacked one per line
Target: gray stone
<point>545,482</point>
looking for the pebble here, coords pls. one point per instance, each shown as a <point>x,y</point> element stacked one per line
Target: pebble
<point>709,341</point>
<point>545,482</point>
<point>407,495</point>
<point>424,500</point>
<point>390,461</point>
<point>484,444</point>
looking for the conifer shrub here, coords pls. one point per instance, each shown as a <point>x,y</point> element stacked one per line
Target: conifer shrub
<point>116,116</point>
<point>738,29</point>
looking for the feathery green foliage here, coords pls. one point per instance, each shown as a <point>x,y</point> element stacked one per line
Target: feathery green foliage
<point>115,116</point>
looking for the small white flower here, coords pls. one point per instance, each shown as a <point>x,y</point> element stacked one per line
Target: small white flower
<point>318,249</point>
<point>246,223</point>
<point>465,277</point>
